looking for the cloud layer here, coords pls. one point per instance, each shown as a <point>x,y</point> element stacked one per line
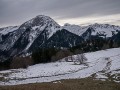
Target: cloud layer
<point>14,12</point>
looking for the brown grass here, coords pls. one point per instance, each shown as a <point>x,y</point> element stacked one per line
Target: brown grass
<point>76,84</point>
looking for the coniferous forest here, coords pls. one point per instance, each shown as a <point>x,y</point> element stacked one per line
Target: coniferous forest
<point>45,55</point>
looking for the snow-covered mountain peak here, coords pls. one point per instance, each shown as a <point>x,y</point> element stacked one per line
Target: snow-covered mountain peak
<point>39,20</point>
<point>98,29</point>
<point>37,26</point>
<point>105,29</point>
<point>27,33</point>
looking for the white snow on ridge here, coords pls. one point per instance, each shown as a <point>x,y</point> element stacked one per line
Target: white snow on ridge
<point>107,61</point>
<point>35,32</point>
<point>76,29</point>
<point>105,29</point>
<point>9,29</point>
<point>39,24</point>
<point>102,29</point>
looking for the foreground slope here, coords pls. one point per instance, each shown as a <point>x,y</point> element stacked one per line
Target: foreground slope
<point>103,65</point>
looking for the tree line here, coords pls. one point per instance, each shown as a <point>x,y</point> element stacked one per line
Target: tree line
<point>45,55</point>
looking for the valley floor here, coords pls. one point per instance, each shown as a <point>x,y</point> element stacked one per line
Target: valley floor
<point>73,84</point>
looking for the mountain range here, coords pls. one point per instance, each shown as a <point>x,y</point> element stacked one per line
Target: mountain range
<point>43,32</point>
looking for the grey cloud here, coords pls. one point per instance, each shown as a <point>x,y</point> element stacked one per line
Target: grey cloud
<point>18,11</point>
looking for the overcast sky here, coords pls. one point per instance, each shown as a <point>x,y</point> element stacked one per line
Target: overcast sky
<point>81,12</point>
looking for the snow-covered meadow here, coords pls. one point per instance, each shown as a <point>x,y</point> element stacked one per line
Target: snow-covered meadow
<point>100,65</point>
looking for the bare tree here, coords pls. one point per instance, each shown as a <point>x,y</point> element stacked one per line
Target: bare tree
<point>80,59</point>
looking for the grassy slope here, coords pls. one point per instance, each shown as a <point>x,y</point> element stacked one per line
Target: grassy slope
<point>73,84</point>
